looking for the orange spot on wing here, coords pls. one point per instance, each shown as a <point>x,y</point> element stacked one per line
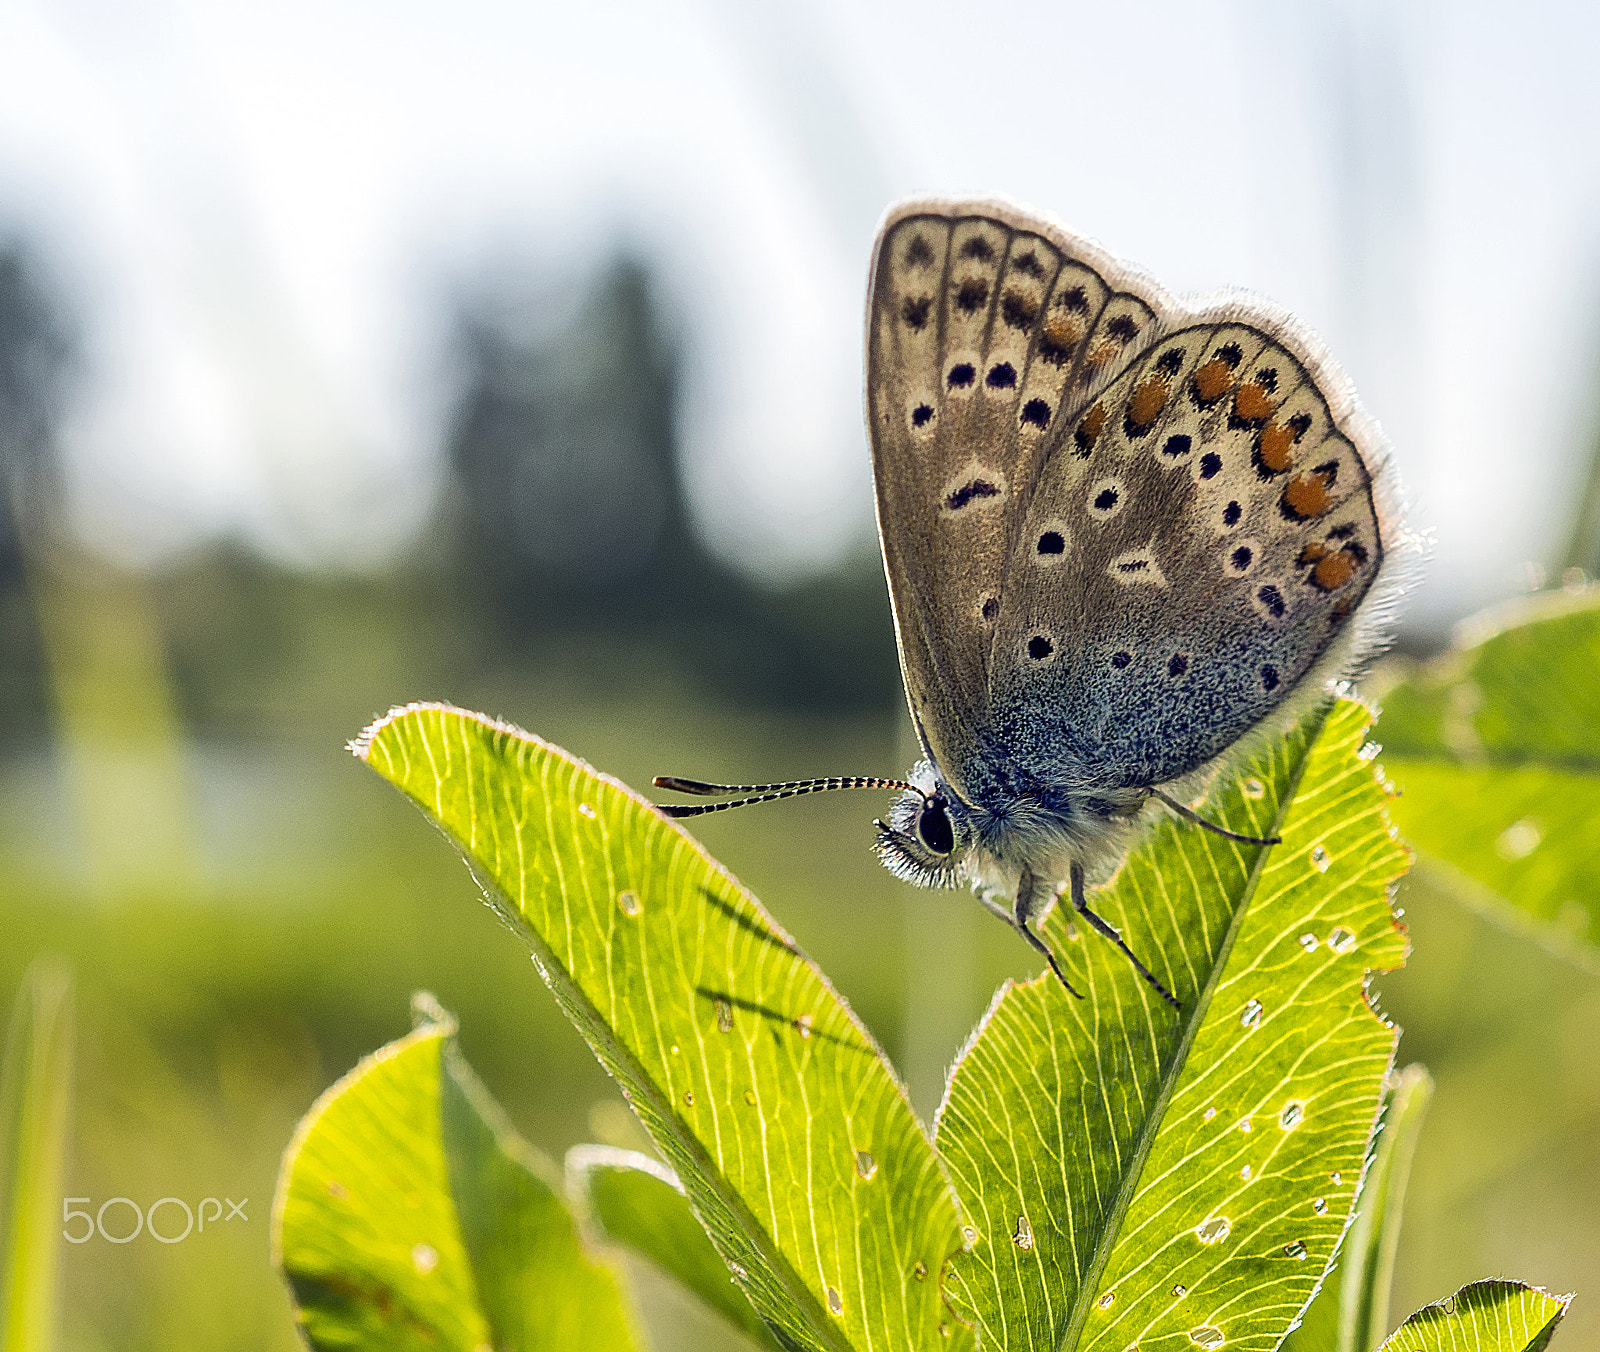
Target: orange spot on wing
<point>1211,381</point>
<point>1103,353</point>
<point>1307,496</point>
<point>1251,404</point>
<point>1059,337</point>
<point>1334,571</point>
<point>1275,446</point>
<point>1089,428</point>
<point>1146,405</point>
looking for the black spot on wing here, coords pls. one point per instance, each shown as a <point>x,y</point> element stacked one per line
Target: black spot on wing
<point>1019,309</point>
<point>972,295</point>
<point>970,492</point>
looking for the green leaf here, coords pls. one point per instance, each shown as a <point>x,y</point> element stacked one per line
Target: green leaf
<point>1140,1176</point>
<point>35,1106</point>
<point>794,1140</point>
<point>1490,1316</point>
<point>1351,1310</point>
<point>639,1202</point>
<point>1496,749</point>
<point>410,1216</point>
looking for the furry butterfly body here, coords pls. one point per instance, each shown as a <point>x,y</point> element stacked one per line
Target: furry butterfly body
<point>1122,533</point>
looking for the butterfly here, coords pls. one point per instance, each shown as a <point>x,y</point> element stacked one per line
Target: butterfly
<point>1121,530</point>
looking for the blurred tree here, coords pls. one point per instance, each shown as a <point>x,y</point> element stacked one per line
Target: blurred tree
<point>570,513</point>
<point>37,358</point>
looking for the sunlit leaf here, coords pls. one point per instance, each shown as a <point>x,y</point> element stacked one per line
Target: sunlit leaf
<point>1139,1176</point>
<point>638,1202</point>
<point>790,1133</point>
<point>35,1096</point>
<point>1491,1316</point>
<point>409,1215</point>
<point>1351,1310</point>
<point>1496,750</point>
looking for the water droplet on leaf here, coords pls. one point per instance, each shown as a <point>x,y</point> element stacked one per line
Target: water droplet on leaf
<point>1213,1231</point>
<point>1245,1173</point>
<point>1208,1114</point>
<point>1024,1235</point>
<point>1320,1205</point>
<point>1341,940</point>
<point>688,1097</point>
<point>1254,788</point>
<point>1295,1250</point>
<point>424,1257</point>
<point>724,1015</point>
<point>1291,1115</point>
<point>802,1025</point>
<point>969,1238</point>
<point>920,1272</point>
<point>750,1097</point>
<point>1336,1178</point>
<point>629,902</point>
<point>585,810</point>
<point>1368,751</point>
<point>1251,1015</point>
<point>866,1166</point>
<point>1180,1291</point>
<point>1308,942</point>
<point>1207,1336</point>
<point>1107,1301</point>
<point>1320,858</point>
<point>835,1301</point>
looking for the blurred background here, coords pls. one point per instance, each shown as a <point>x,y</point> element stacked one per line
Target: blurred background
<point>352,354</point>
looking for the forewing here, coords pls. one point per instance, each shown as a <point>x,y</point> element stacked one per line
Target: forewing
<point>984,336</point>
<point>1197,540</point>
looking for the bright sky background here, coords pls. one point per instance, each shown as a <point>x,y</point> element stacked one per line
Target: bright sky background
<point>258,209</point>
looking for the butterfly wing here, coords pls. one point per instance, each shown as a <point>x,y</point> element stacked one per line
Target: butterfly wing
<point>982,331</point>
<point>1195,544</point>
<point>1118,530</point>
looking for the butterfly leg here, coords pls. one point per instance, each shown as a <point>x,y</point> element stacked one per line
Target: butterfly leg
<point>995,908</point>
<point>1081,905</point>
<point>1026,885</point>
<point>1189,814</point>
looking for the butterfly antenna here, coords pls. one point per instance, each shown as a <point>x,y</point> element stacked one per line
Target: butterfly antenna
<point>1198,820</point>
<point>761,793</point>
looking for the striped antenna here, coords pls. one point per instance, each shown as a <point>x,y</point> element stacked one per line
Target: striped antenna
<point>762,793</point>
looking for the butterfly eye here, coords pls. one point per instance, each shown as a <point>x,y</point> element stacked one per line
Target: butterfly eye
<point>934,829</point>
